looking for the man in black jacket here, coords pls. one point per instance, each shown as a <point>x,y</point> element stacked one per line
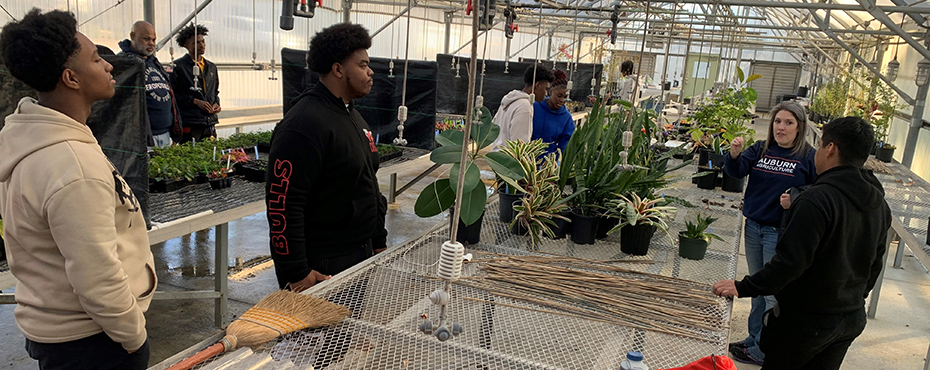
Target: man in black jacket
<point>827,259</point>
<point>160,102</point>
<point>325,209</point>
<point>196,84</point>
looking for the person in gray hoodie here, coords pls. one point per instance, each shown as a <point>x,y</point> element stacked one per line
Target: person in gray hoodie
<point>515,115</point>
<point>75,234</point>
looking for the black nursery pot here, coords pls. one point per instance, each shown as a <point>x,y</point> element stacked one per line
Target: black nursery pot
<point>217,184</point>
<point>732,184</point>
<point>604,224</point>
<point>635,239</point>
<point>506,202</point>
<point>562,227</point>
<point>584,228</point>
<point>884,154</point>
<point>708,181</point>
<point>468,234</point>
<point>518,229</point>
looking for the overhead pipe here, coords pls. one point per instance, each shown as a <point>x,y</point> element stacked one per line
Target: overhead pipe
<point>401,14</point>
<point>181,25</point>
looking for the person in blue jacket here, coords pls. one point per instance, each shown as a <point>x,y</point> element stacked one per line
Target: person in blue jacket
<point>782,161</point>
<point>551,120</point>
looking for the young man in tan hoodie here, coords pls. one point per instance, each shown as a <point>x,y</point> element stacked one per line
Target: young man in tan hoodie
<point>76,238</point>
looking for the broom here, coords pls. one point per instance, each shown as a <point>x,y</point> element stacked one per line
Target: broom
<point>277,314</point>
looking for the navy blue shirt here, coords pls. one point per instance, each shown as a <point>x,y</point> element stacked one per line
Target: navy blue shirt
<point>157,98</point>
<point>769,176</point>
<point>553,127</point>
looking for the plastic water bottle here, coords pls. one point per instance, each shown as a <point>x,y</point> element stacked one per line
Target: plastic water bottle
<point>634,361</point>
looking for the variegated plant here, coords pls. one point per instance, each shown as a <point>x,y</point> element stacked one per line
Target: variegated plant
<point>641,211</point>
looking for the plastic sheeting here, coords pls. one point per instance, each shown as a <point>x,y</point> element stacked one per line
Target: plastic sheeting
<point>117,123</point>
<point>451,99</point>
<point>379,107</point>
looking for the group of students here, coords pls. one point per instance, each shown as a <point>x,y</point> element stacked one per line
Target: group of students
<point>79,248</point>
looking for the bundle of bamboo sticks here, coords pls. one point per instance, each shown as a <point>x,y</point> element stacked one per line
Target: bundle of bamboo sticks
<point>602,291</point>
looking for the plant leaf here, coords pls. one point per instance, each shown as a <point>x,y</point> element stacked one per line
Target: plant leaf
<point>753,78</point>
<point>486,132</point>
<point>751,93</point>
<point>472,176</point>
<point>446,154</point>
<point>434,199</point>
<point>451,137</point>
<point>739,73</point>
<point>473,203</point>
<point>504,165</point>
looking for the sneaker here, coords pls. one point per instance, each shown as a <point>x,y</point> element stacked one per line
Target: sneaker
<point>738,345</point>
<point>742,355</point>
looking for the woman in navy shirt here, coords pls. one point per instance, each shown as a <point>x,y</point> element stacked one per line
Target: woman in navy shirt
<point>784,160</point>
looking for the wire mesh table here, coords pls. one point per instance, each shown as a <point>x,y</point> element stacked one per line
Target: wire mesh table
<point>388,296</point>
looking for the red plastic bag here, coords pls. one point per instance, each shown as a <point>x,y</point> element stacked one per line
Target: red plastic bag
<point>709,363</point>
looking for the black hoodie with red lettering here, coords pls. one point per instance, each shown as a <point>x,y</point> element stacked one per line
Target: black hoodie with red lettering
<point>322,193</point>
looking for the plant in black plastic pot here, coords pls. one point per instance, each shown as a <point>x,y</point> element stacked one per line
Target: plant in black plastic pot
<point>639,220</point>
<point>539,212</point>
<point>693,241</point>
<point>440,195</point>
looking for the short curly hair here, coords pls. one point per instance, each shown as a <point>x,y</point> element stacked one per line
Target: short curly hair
<point>542,74</point>
<point>36,49</point>
<point>188,32</point>
<point>334,45</point>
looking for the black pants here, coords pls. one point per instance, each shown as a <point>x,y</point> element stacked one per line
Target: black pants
<point>804,341</point>
<point>332,265</point>
<point>96,352</point>
<point>199,133</point>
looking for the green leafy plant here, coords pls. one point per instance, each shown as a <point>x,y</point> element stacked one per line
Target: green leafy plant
<point>727,113</point>
<point>439,196</point>
<point>387,148</point>
<point>542,200</point>
<point>700,229</point>
<point>638,211</point>
<point>831,98</point>
<point>876,104</point>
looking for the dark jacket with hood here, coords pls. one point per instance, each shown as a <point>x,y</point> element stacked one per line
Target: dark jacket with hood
<point>207,89</point>
<point>830,254</point>
<point>322,192</point>
<point>176,124</point>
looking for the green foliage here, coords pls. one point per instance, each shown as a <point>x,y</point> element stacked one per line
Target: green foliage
<point>726,115</point>
<point>387,148</point>
<point>187,160</point>
<point>439,196</point>
<point>639,211</point>
<point>543,200</point>
<point>245,140</point>
<point>876,104</point>
<point>700,229</point>
<point>830,99</point>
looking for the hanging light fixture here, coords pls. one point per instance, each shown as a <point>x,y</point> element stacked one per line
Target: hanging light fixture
<point>893,65</point>
<point>923,72</point>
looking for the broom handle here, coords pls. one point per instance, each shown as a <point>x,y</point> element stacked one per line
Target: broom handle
<point>199,357</point>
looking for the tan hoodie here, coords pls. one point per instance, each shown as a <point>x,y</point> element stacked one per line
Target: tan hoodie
<point>515,118</point>
<point>75,235</point>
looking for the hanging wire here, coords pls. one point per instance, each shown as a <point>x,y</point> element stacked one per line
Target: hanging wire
<point>254,45</point>
<point>536,61</point>
<point>16,20</point>
<point>642,49</point>
<point>118,2</point>
<point>170,23</point>
<point>402,109</point>
<point>273,47</point>
<point>484,54</point>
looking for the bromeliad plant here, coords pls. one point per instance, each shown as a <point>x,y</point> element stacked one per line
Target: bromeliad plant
<point>638,211</point>
<point>700,229</point>
<point>440,195</point>
<point>542,200</point>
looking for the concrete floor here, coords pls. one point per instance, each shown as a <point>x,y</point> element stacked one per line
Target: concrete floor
<point>896,339</point>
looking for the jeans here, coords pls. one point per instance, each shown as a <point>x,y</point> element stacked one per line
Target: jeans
<point>96,352</point>
<point>163,140</point>
<point>760,248</point>
<point>798,341</point>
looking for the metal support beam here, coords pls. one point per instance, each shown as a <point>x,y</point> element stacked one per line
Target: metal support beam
<point>917,120</point>
<point>148,11</point>
<point>401,14</point>
<point>877,290</point>
<point>880,15</point>
<point>907,98</point>
<point>220,276</point>
<point>916,17</point>
<point>346,9</point>
<point>448,18</point>
<point>801,5</point>
<point>181,25</point>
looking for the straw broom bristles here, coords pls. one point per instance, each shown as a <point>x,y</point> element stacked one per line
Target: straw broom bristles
<point>277,314</point>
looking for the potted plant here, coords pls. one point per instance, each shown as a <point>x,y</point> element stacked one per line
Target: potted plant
<point>388,152</point>
<point>219,179</point>
<point>639,220</point>
<point>693,241</point>
<point>511,193</point>
<point>877,103</point>
<point>440,195</point>
<point>540,212</point>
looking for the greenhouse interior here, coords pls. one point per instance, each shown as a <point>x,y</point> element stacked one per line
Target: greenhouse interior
<point>536,184</point>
